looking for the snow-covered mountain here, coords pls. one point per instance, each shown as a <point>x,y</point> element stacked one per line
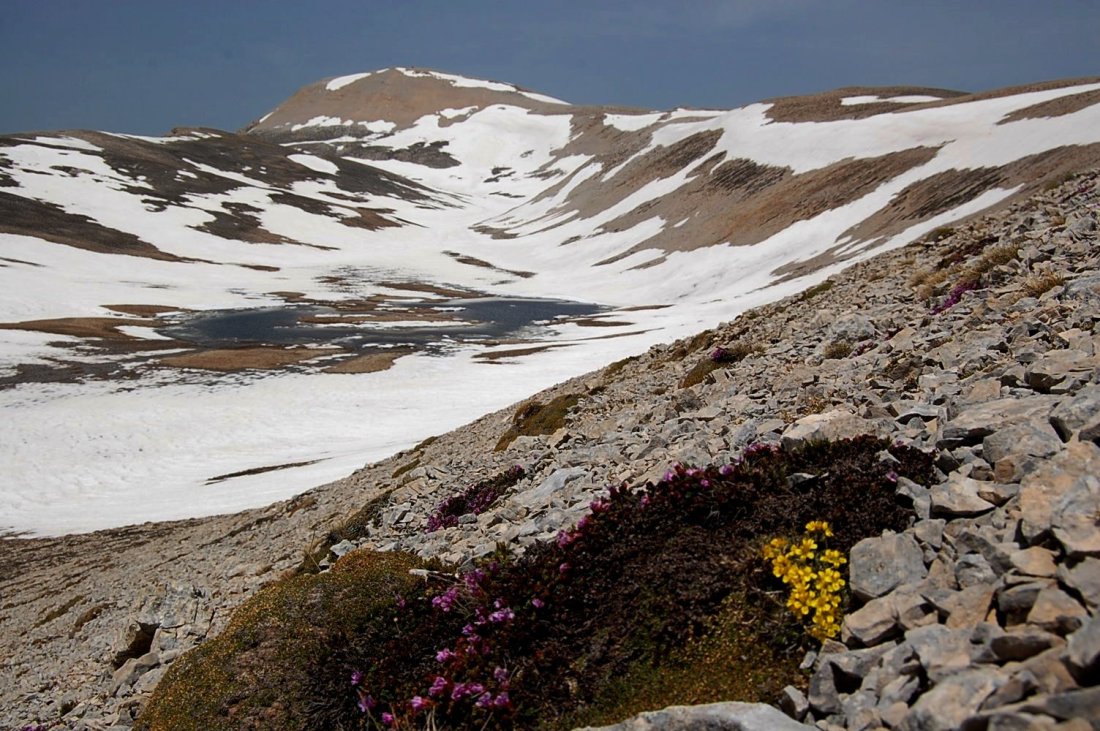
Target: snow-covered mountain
<point>209,321</point>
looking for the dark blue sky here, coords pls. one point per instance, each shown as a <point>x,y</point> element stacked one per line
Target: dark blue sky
<point>144,66</point>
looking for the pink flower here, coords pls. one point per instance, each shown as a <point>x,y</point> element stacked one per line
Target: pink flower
<point>439,687</point>
<point>538,603</point>
<point>418,703</point>
<point>502,615</point>
<point>387,718</point>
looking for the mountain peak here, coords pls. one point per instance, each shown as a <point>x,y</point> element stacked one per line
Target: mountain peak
<point>393,98</point>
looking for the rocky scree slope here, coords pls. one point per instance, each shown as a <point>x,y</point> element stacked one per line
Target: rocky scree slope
<point>996,371</point>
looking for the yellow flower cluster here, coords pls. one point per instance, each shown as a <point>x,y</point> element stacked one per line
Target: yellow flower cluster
<point>811,571</point>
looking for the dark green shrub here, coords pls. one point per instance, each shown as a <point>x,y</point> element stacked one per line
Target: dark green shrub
<point>534,418</point>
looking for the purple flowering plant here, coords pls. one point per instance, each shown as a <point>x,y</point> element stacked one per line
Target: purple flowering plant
<point>475,499</point>
<point>508,644</point>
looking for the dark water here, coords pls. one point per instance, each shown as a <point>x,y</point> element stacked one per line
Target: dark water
<point>482,319</point>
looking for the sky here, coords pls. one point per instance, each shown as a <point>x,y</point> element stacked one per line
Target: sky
<point>146,66</point>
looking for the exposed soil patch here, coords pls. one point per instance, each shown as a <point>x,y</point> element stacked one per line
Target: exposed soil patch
<point>594,322</point>
<point>260,471</point>
<point>744,203</point>
<point>1056,107</point>
<point>142,310</point>
<point>82,327</point>
<point>29,217</point>
<point>474,261</point>
<point>236,359</point>
<point>513,353</point>
<point>424,287</point>
<point>827,107</point>
<point>386,95</point>
<point>372,363</point>
<point>939,193</point>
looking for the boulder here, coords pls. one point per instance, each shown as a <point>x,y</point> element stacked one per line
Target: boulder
<point>1078,417</point>
<point>958,497</point>
<point>830,426</point>
<point>1056,611</point>
<point>1041,490</point>
<point>975,422</point>
<point>727,716</point>
<point>949,703</point>
<point>880,564</point>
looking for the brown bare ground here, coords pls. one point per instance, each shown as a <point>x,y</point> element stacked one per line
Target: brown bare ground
<point>596,322</point>
<point>826,106</point>
<point>143,310</point>
<point>940,193</point>
<point>392,96</point>
<point>29,217</point>
<point>260,471</point>
<point>373,363</point>
<point>237,359</point>
<point>82,327</point>
<point>1056,107</point>
<point>744,203</point>
<point>513,353</point>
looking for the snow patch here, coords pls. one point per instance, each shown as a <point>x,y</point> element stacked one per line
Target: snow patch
<point>341,81</point>
<point>850,101</point>
<point>313,162</point>
<point>631,122</point>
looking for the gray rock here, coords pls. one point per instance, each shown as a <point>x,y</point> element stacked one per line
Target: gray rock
<point>1034,561</point>
<point>918,496</point>
<point>1075,517</point>
<point>831,426</point>
<point>880,564</point>
<point>852,327</point>
<point>133,669</point>
<point>1083,578</point>
<point>930,532</point>
<point>1073,704</point>
<point>1041,490</point>
<point>975,422</point>
<point>1016,601</point>
<point>1022,642</point>
<point>1056,611</point>
<point>822,694</point>
<point>727,716</point>
<point>1079,416</point>
<point>942,652</point>
<point>871,623</point>
<point>973,569</point>
<point>1036,438</point>
<point>1057,371</point>
<point>794,703</point>
<point>1083,651</point>
<point>968,608</point>
<point>958,497</point>
<point>541,495</point>
<point>952,701</point>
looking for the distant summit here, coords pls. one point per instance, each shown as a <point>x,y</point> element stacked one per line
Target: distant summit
<point>391,99</point>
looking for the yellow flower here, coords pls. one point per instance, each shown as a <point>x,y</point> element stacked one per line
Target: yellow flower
<point>811,575</point>
<point>820,526</point>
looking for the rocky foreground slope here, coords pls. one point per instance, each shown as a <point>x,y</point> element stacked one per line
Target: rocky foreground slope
<point>977,344</point>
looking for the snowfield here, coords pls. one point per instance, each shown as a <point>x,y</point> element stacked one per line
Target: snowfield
<point>162,443</point>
